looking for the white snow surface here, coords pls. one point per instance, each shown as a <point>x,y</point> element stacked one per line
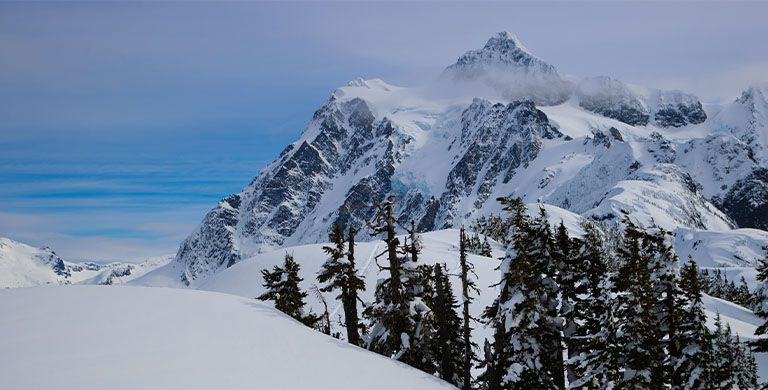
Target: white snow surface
<point>118,337</point>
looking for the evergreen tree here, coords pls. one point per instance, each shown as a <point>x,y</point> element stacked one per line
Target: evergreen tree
<point>282,285</point>
<point>745,365</point>
<point>339,273</point>
<point>667,296</point>
<point>744,296</point>
<point>395,316</point>
<point>634,308</point>
<point>467,285</point>
<point>522,347</point>
<point>551,267</point>
<point>414,248</point>
<point>598,357</point>
<point>485,248</point>
<point>571,287</point>
<point>447,341</point>
<point>693,341</point>
<point>722,373</point>
<point>589,330</point>
<point>761,308</point>
<point>600,362</point>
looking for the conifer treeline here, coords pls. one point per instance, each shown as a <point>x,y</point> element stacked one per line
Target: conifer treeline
<point>718,286</point>
<point>570,312</point>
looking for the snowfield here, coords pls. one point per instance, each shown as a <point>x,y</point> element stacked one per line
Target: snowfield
<point>118,337</point>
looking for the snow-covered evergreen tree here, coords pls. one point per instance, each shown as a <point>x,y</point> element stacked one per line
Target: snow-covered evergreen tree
<point>571,288</point>
<point>634,311</point>
<point>745,366</point>
<point>591,328</point>
<point>339,273</point>
<point>761,309</point>
<point>667,297</point>
<point>443,327</point>
<point>522,343</point>
<point>722,372</point>
<point>282,284</point>
<point>397,311</point>
<point>551,267</point>
<point>690,355</point>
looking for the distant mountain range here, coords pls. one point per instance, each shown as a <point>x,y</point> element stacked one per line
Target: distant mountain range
<point>22,265</point>
<point>499,122</point>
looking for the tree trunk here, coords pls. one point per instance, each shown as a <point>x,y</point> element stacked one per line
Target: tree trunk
<point>350,299</point>
<point>466,331</point>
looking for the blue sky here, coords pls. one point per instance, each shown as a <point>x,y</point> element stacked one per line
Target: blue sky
<point>121,124</point>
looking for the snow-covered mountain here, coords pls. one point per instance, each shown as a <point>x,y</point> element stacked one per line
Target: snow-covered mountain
<point>117,337</point>
<point>22,265</point>
<point>498,122</point>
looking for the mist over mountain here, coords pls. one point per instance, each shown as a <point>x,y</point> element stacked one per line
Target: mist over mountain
<point>500,121</point>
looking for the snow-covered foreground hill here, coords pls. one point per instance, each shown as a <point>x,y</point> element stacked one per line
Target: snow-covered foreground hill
<point>245,279</point>
<point>96,337</point>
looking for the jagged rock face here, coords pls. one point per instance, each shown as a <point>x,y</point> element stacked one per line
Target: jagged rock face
<point>613,99</point>
<point>506,66</point>
<point>495,140</point>
<point>747,120</point>
<point>212,246</point>
<point>676,109</point>
<point>729,175</point>
<point>345,164</point>
<point>662,149</point>
<point>716,162</point>
<point>747,200</point>
<point>343,139</point>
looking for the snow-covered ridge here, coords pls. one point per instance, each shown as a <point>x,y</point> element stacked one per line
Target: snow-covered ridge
<point>639,106</point>
<point>22,265</point>
<point>447,150</point>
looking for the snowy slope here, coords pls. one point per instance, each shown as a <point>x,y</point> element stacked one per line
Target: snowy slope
<point>448,149</point>
<point>22,265</point>
<point>93,337</point>
<point>245,278</point>
<point>120,273</point>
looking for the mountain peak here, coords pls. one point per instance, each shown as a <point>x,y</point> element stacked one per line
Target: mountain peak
<point>505,52</point>
<point>509,69</point>
<point>505,41</point>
